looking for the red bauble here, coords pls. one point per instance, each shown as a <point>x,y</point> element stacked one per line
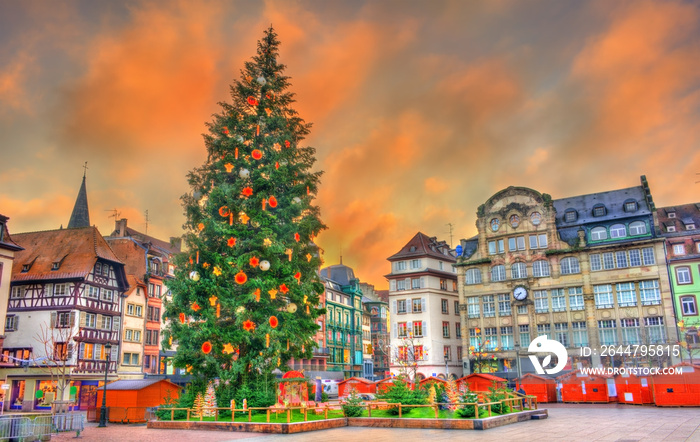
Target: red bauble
<point>256,154</point>
<point>274,322</point>
<point>287,143</point>
<point>252,101</point>
<point>272,202</point>
<point>241,278</point>
<point>223,211</point>
<point>206,348</point>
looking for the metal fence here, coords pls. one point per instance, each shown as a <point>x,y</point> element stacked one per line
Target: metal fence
<point>37,426</point>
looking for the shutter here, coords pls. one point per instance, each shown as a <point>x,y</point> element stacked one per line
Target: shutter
<point>394,331</point>
<point>392,285</point>
<point>114,354</point>
<point>81,354</point>
<point>422,305</point>
<point>422,282</point>
<point>53,319</point>
<point>408,284</point>
<point>69,351</point>
<point>48,290</point>
<point>409,327</point>
<point>393,307</point>
<point>98,351</point>
<point>116,322</point>
<point>72,319</point>
<point>83,319</point>
<point>98,321</point>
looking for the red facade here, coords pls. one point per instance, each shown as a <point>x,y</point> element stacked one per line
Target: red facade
<point>359,384</point>
<point>545,389</point>
<point>583,388</point>
<point>481,382</point>
<point>678,389</point>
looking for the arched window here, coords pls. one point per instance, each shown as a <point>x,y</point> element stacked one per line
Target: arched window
<point>618,231</point>
<point>472,276</point>
<point>540,268</point>
<point>569,265</point>
<point>498,273</point>
<point>599,233</point>
<point>518,270</point>
<point>638,228</point>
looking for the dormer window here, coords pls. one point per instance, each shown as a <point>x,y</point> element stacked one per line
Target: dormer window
<point>670,228</point>
<point>671,214</point>
<point>630,206</point>
<point>412,249</point>
<point>690,227</point>
<point>570,216</point>
<point>55,265</point>
<point>689,223</point>
<point>599,210</point>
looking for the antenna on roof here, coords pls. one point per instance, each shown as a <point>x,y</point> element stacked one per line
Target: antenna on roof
<point>341,255</point>
<point>115,213</point>
<point>450,226</point>
<point>146,215</point>
<point>85,169</point>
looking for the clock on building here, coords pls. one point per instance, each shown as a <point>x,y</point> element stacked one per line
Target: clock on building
<point>520,293</point>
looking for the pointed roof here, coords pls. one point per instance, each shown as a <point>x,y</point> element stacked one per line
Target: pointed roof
<point>81,215</point>
<point>75,250</point>
<point>423,245</point>
<point>6,241</point>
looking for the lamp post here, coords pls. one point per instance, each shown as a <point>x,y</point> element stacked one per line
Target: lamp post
<point>517,358</point>
<point>103,411</point>
<point>447,372</point>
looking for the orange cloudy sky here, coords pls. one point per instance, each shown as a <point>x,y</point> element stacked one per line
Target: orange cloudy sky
<point>421,110</point>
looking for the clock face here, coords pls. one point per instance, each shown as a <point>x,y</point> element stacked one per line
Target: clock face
<point>520,293</point>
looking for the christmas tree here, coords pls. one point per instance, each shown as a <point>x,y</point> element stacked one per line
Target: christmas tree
<point>210,400</point>
<point>198,406</point>
<point>245,297</point>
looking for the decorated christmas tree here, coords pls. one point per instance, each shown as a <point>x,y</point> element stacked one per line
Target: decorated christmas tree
<point>198,406</point>
<point>210,400</point>
<point>245,296</point>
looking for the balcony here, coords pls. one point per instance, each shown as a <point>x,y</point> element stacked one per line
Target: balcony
<point>321,351</point>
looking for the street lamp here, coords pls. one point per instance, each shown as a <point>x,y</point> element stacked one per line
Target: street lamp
<point>447,372</point>
<point>517,358</point>
<point>103,411</point>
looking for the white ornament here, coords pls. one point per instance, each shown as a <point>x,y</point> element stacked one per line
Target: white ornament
<point>240,139</point>
<point>194,275</point>
<point>244,173</point>
<point>297,199</point>
<point>261,80</point>
<point>264,265</point>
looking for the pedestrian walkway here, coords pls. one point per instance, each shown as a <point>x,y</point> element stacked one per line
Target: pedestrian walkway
<point>567,422</point>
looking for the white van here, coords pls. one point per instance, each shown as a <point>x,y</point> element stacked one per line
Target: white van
<point>330,387</point>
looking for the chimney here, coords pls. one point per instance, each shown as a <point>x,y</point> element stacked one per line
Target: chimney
<point>120,227</point>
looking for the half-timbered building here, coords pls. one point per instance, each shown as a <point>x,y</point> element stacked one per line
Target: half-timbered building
<point>65,305</point>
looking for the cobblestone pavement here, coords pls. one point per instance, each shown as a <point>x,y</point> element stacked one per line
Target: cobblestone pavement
<point>566,422</point>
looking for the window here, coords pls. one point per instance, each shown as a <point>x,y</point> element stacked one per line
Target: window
<point>599,233</point>
<point>418,328</point>
<point>599,210</point>
<point>575,298</point>
<point>132,335</point>
<point>152,337</point>
<point>473,338</point>
<point>93,292</point>
<point>670,227</point>
<point>683,275</point>
<point>618,231</point>
<point>418,352</point>
<point>608,260</point>
<point>445,329</point>
<point>635,258</point>
<point>518,270</point>
<point>105,270</point>
<point>638,228</point>
<point>648,256</point>
<point>570,216</point>
<point>649,292</point>
<point>690,226</point>
<point>538,241</point>
<point>62,320</point>
<point>87,350</point>
<point>498,273</point>
<point>544,329</point>
<point>401,284</point>
<point>98,268</point>
<point>596,263</point>
<point>90,320</point>
<point>417,305</point>
<point>443,284</point>
<point>445,307</point>
<point>154,313</point>
<point>415,283</point>
<point>11,323</point>
<point>579,334</point>
<point>135,310</point>
<point>60,351</point>
<point>524,335</point>
<point>17,292</point>
<point>459,353</point>
<point>522,309</point>
<point>621,258</point>
<point>689,305</point>
<point>447,352</point>
<point>472,276</point>
<point>106,323</point>
<point>415,263</point>
<point>401,304</point>
<point>489,306</point>
<point>514,221</point>
<point>558,300</point>
<point>401,265</point>
<point>561,333</point>
<point>679,249</point>
<point>603,296</point>
<point>655,329</point>
<point>457,308</point>
<point>473,307</point>
<point>606,332</point>
<point>441,265</point>
<point>630,206</point>
<point>60,290</point>
<point>130,359</point>
<point>540,268</point>
<point>504,304</point>
<point>535,218</point>
<point>107,295</point>
<point>541,301</point>
<point>516,243</point>
<point>630,331</point>
<point>491,338</point>
<point>507,338</point>
<point>569,266</point>
<point>458,330</point>
<point>496,247</point>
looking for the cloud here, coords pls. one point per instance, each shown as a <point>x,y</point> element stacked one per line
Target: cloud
<point>13,92</point>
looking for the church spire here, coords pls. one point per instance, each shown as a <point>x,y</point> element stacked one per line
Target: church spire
<point>80,216</point>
